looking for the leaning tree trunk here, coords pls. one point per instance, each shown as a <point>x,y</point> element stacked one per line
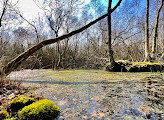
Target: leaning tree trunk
<point>109,34</point>
<point>13,64</point>
<point>147,53</point>
<point>155,32</point>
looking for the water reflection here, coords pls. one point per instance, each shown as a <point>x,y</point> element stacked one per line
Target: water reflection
<point>123,100</point>
<point>137,100</point>
<point>155,98</point>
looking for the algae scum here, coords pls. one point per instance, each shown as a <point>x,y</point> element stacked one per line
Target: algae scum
<point>100,95</point>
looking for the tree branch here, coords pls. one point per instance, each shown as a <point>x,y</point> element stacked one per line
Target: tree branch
<point>13,64</point>
<point>3,11</point>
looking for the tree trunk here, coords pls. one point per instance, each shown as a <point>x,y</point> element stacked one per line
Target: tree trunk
<point>111,58</point>
<point>61,52</point>
<point>147,54</point>
<point>155,32</point>
<point>13,64</point>
<point>163,29</point>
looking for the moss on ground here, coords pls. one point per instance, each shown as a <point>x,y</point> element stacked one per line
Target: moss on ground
<point>40,110</point>
<point>4,114</point>
<point>145,67</point>
<point>20,102</point>
<point>31,107</point>
<point>81,76</point>
<point>125,66</point>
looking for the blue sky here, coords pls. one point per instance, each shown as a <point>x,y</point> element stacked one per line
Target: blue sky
<point>105,2</point>
<point>30,10</point>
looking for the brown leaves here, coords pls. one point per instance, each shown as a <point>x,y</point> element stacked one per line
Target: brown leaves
<point>97,98</point>
<point>62,102</point>
<point>143,109</point>
<point>97,114</point>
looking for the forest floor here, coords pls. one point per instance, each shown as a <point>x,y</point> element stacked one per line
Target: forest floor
<point>98,94</point>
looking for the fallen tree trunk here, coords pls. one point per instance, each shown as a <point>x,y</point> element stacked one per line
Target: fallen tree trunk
<point>13,64</point>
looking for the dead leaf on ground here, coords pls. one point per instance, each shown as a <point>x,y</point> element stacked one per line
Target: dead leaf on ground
<point>142,109</point>
<point>97,98</point>
<point>86,102</point>
<point>62,102</point>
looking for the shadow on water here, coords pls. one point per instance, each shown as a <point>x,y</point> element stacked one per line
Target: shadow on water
<point>75,83</point>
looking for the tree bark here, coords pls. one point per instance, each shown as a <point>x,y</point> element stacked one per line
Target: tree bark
<point>13,64</point>
<point>153,57</point>
<point>111,58</point>
<point>147,54</point>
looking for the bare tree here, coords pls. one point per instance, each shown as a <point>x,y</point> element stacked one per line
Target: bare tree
<point>57,14</point>
<point>4,4</point>
<point>162,57</point>
<point>147,52</point>
<point>13,64</point>
<point>109,34</point>
<point>17,12</point>
<point>6,13</point>
<point>153,57</point>
<point>4,9</point>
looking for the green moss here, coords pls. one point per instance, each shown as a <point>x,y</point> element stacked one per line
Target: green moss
<point>144,67</point>
<point>142,64</point>
<point>4,114</point>
<point>123,66</point>
<point>40,110</point>
<point>20,102</point>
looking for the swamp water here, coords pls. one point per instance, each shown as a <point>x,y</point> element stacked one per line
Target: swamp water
<point>99,95</point>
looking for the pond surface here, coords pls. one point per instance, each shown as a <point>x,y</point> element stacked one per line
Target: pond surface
<point>100,95</point>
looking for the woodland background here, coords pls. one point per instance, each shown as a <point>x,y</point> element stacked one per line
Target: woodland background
<point>88,49</point>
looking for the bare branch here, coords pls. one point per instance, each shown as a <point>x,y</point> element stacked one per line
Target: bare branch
<point>13,64</point>
<point>3,11</point>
